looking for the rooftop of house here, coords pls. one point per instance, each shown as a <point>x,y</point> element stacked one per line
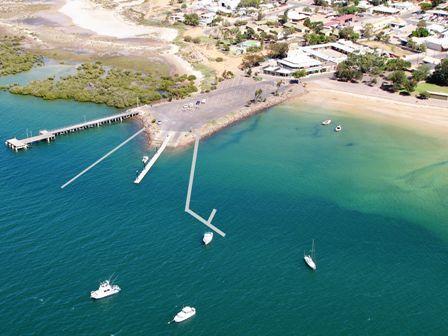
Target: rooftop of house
<point>385,9</point>
<point>298,59</point>
<point>341,20</point>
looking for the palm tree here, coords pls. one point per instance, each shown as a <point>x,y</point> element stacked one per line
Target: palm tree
<point>258,94</point>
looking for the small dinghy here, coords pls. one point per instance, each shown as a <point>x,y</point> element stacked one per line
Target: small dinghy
<point>184,314</point>
<point>145,159</point>
<point>106,289</point>
<point>309,258</point>
<point>208,237</point>
<point>338,128</point>
<point>326,122</point>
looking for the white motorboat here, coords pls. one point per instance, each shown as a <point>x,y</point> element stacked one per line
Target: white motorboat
<point>145,159</point>
<point>309,258</point>
<point>208,237</point>
<point>106,289</point>
<point>184,314</point>
<point>326,122</point>
<point>338,128</point>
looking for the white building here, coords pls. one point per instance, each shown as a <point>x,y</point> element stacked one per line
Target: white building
<point>385,10</point>
<point>296,16</point>
<point>405,6</point>
<point>206,18</point>
<point>315,58</point>
<point>435,43</point>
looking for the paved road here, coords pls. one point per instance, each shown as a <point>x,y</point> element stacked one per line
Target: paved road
<point>229,97</point>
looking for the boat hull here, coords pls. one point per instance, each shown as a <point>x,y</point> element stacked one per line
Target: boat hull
<point>181,317</point>
<point>97,296</point>
<point>207,239</point>
<point>311,264</point>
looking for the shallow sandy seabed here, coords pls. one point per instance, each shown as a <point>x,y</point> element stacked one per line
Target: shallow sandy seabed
<point>409,113</point>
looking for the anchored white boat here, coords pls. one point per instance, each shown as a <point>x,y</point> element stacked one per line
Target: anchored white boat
<point>145,159</point>
<point>309,258</point>
<point>208,237</point>
<point>184,314</point>
<point>338,128</point>
<point>105,290</point>
<point>326,122</point>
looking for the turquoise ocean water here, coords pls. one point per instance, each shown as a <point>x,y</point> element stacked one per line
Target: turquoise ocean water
<point>374,198</point>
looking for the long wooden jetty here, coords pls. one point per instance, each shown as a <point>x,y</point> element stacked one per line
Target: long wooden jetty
<point>44,135</point>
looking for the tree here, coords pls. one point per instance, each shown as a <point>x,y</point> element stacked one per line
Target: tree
<point>440,74</point>
<point>315,26</point>
<point>251,60</point>
<point>411,44</point>
<point>424,6</point>
<point>421,24</point>
<point>348,10</point>
<point>257,95</point>
<point>421,47</point>
<point>423,95</point>
<point>398,79</point>
<point>347,72</point>
<point>382,36</point>
<point>394,64</point>
<point>348,33</point>
<point>367,30</point>
<point>278,50</point>
<point>322,3</point>
<point>191,19</point>
<point>409,85</point>
<point>249,3</point>
<point>283,18</point>
<point>313,38</point>
<point>420,32</point>
<point>299,73</point>
<point>421,73</point>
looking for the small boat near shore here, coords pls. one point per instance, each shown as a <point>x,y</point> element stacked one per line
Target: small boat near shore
<point>186,313</point>
<point>145,159</point>
<point>338,128</point>
<point>326,122</point>
<point>105,289</point>
<point>208,237</point>
<point>309,258</point>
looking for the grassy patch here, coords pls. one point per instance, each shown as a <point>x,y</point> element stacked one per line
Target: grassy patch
<point>421,87</point>
<point>137,64</point>
<point>209,76</point>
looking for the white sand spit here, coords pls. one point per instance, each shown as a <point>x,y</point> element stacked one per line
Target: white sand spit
<point>109,22</point>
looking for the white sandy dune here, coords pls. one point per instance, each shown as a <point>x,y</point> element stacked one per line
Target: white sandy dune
<point>108,22</point>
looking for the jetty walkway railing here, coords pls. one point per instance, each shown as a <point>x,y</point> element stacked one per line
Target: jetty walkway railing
<point>44,135</point>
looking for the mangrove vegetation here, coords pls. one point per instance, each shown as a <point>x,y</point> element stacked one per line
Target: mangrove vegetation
<point>93,82</point>
<point>14,59</point>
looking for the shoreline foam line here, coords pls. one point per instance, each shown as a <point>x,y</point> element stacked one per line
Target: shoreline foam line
<point>190,187</point>
<point>102,158</point>
<point>153,159</point>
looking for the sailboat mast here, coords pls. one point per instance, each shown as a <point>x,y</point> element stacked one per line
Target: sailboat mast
<point>312,250</point>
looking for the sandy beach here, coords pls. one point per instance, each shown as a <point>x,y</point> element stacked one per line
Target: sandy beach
<point>430,116</point>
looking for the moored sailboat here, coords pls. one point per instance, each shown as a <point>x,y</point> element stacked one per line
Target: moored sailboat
<point>310,258</point>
